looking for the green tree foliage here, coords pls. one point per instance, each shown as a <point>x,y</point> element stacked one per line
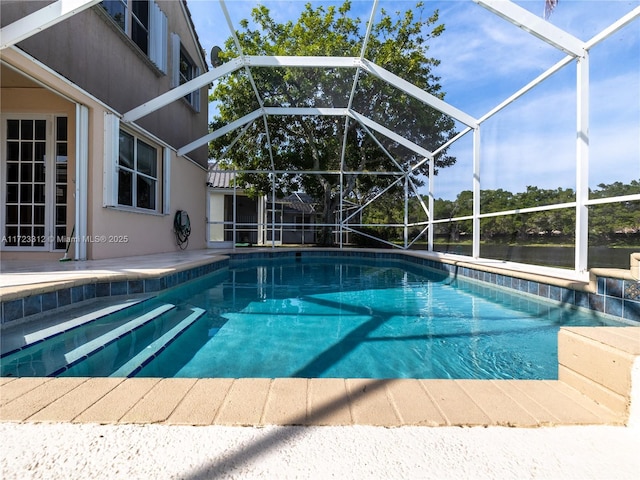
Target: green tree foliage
<point>621,218</point>
<point>398,42</point>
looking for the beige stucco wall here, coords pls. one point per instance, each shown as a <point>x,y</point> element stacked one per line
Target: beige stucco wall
<point>151,233</point>
<point>96,55</point>
<point>145,233</point>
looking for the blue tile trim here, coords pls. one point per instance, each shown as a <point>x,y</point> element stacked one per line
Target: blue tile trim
<point>64,297</point>
<point>119,288</point>
<point>582,299</point>
<point>613,306</point>
<point>103,289</point>
<point>32,305</point>
<point>12,310</point>
<point>49,301</point>
<point>613,296</point>
<point>152,285</point>
<point>613,287</point>
<point>89,291</point>
<point>136,286</point>
<point>77,294</point>
<point>631,310</point>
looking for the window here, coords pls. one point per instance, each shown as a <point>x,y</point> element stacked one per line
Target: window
<point>140,25</point>
<point>145,24</point>
<point>137,173</point>
<point>187,72</point>
<point>117,9</point>
<point>184,69</point>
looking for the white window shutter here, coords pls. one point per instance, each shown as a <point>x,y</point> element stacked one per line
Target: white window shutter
<point>158,31</point>
<point>110,163</point>
<point>175,60</point>
<point>166,181</point>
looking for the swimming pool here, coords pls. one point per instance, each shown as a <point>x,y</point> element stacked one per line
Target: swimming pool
<point>309,316</point>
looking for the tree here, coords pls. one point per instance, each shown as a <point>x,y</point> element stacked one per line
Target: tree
<point>461,207</point>
<point>397,42</point>
<point>611,220</point>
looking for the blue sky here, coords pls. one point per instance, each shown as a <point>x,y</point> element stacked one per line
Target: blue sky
<point>484,60</point>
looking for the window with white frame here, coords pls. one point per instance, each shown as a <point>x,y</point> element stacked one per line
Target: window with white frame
<point>184,69</point>
<point>137,173</point>
<point>145,24</point>
<point>140,25</point>
<point>117,9</point>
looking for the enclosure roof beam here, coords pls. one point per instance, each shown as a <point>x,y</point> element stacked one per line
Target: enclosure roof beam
<point>308,111</point>
<point>364,121</point>
<point>418,93</point>
<point>298,111</point>
<point>301,61</point>
<point>389,134</point>
<point>613,28</point>
<point>382,147</point>
<point>360,208</point>
<point>41,19</point>
<point>537,81</point>
<point>221,131</point>
<point>535,25</point>
<point>363,51</point>
<point>184,89</point>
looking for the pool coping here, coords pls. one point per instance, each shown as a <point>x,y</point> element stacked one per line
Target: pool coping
<point>577,398</point>
<point>295,401</point>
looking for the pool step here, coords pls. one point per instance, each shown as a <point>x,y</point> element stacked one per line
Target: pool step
<point>86,350</point>
<point>14,340</point>
<point>157,346</point>
<point>76,322</point>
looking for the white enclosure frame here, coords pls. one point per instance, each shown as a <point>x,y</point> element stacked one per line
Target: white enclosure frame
<point>574,48</point>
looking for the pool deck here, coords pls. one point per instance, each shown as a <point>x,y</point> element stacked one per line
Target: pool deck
<point>292,401</point>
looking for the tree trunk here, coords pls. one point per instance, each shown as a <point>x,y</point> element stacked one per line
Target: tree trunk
<point>326,237</point>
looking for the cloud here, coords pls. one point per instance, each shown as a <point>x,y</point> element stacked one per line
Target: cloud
<point>533,141</point>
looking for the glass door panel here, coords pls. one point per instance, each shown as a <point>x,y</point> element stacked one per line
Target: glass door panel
<point>26,148</point>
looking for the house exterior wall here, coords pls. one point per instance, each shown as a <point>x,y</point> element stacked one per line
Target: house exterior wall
<point>94,53</point>
<point>32,87</point>
<point>137,233</point>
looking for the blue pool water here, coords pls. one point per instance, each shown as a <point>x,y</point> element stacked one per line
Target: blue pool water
<point>315,317</point>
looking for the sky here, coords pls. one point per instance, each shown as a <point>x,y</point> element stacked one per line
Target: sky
<point>484,60</point>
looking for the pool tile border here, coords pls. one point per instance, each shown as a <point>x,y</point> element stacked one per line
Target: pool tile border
<point>80,290</point>
<point>617,297</point>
